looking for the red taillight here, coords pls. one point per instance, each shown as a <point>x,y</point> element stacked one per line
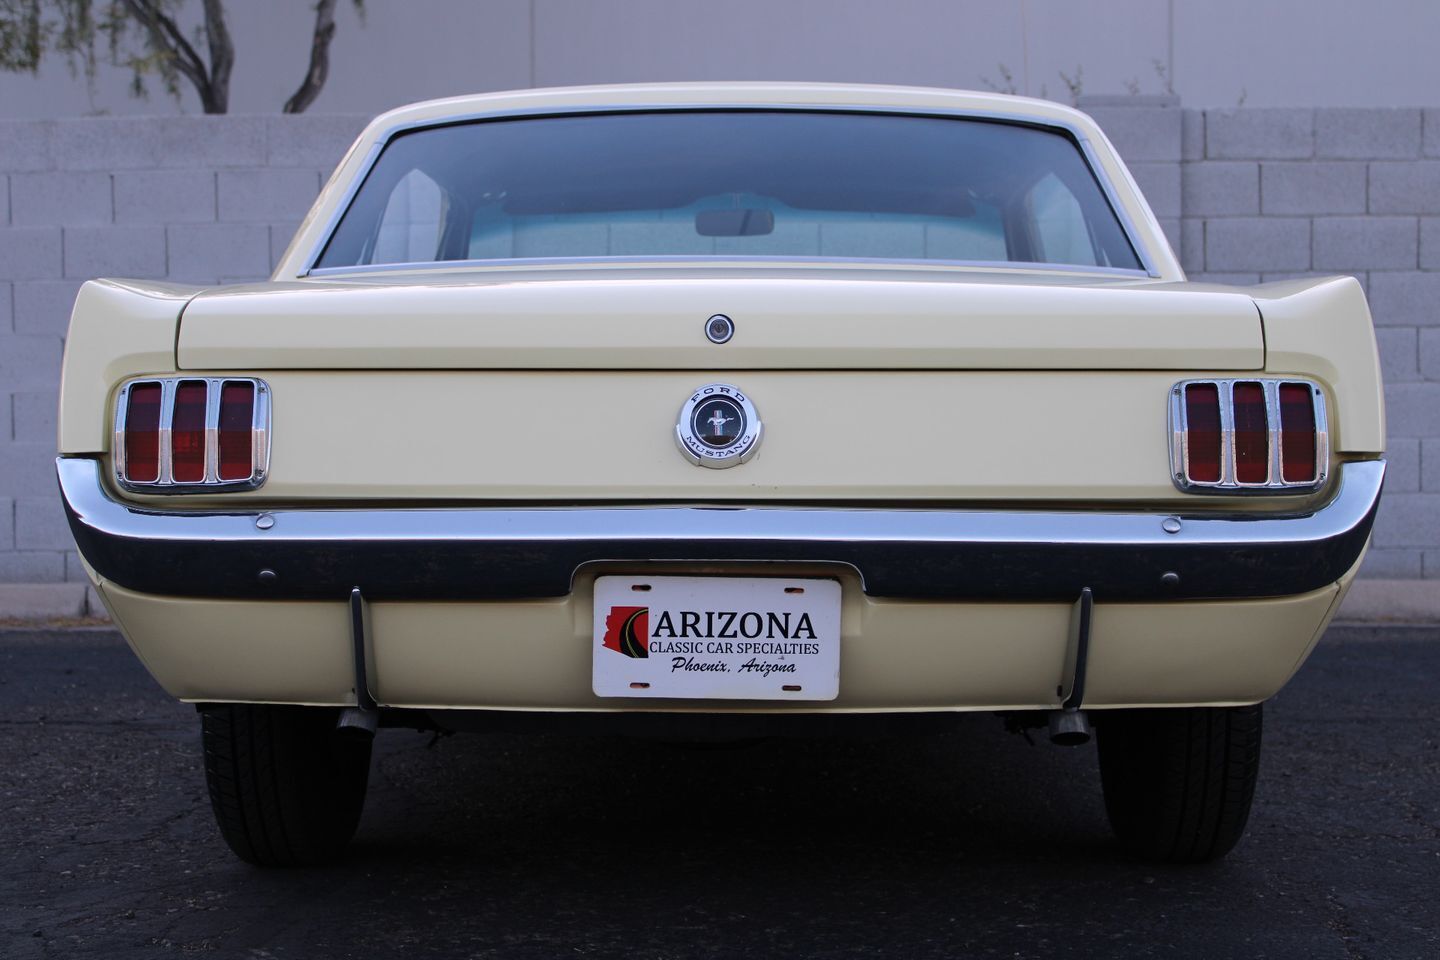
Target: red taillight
<point>142,433</point>
<point>1297,433</point>
<point>1248,436</point>
<point>237,424</point>
<point>192,434</point>
<point>1252,433</point>
<point>187,432</point>
<point>1202,422</point>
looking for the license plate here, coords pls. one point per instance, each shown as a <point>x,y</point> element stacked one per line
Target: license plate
<point>724,638</point>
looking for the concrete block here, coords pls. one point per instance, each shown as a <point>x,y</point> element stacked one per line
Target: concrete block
<point>1430,139</point>
<point>1278,275</point>
<point>1402,469</point>
<point>1430,354</point>
<point>29,470</point>
<point>1431,565</point>
<point>1192,245</point>
<point>200,142</point>
<point>7,306</point>
<point>312,140</point>
<point>1404,520</point>
<point>1399,353</point>
<point>280,236</point>
<point>107,143</point>
<point>1259,134</point>
<point>26,145</point>
<point>1367,132</point>
<point>1390,601</point>
<point>1412,187</point>
<point>1160,183</point>
<point>1192,134</point>
<point>74,569</point>
<point>1430,464</point>
<point>28,361</point>
<point>1366,243</point>
<point>263,196</point>
<point>32,566</point>
<point>1140,133</point>
<point>30,253</point>
<point>1221,188</point>
<point>1308,188</point>
<point>40,524</point>
<point>35,415</point>
<point>1430,243</point>
<point>1388,563</point>
<point>1231,279</point>
<point>7,426</point>
<point>41,601</point>
<point>4,200</point>
<point>44,306</point>
<point>114,252</point>
<point>200,251</point>
<point>1254,243</point>
<point>164,196</point>
<point>7,524</point>
<point>60,198</point>
<point>1405,298</point>
<point>1170,226</point>
<point>1410,409</point>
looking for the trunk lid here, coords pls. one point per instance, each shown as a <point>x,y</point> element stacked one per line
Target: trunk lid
<point>628,319</point>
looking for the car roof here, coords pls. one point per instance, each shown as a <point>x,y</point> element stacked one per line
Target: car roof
<point>739,94</point>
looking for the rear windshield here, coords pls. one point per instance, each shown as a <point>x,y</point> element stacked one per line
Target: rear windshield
<point>731,184</point>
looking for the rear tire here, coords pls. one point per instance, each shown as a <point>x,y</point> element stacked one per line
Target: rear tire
<point>1179,782</point>
<point>286,788</point>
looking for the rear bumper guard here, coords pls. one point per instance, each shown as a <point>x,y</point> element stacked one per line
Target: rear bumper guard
<point>507,553</point>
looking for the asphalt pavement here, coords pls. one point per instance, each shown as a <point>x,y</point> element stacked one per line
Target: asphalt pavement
<point>966,843</point>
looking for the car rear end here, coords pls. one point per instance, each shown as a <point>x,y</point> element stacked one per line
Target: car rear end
<point>531,481</point>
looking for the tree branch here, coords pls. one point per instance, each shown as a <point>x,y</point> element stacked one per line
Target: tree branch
<point>222,52</point>
<point>319,70</point>
<point>167,39</point>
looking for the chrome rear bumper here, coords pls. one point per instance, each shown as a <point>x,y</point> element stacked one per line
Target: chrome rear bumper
<point>493,553</point>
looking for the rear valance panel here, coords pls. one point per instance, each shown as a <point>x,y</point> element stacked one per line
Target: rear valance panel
<point>584,322</point>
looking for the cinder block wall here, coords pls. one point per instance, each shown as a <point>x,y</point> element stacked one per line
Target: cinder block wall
<point>191,199</point>
<point>1245,195</point>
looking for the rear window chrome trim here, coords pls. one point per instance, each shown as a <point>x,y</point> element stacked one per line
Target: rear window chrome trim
<point>1006,266</point>
<point>1087,151</point>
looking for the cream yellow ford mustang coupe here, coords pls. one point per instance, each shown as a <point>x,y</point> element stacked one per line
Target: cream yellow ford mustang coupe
<point>719,407</point>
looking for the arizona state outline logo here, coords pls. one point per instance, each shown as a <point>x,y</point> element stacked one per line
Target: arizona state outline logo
<point>627,631</point>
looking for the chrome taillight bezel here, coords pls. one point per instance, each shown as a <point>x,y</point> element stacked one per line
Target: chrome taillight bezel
<point>1274,478</point>
<point>165,482</point>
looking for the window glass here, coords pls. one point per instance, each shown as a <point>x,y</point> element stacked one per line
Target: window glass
<point>409,229</point>
<point>731,183</point>
<point>1060,225</point>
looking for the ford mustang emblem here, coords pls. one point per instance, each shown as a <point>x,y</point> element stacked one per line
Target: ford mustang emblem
<point>718,426</point>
